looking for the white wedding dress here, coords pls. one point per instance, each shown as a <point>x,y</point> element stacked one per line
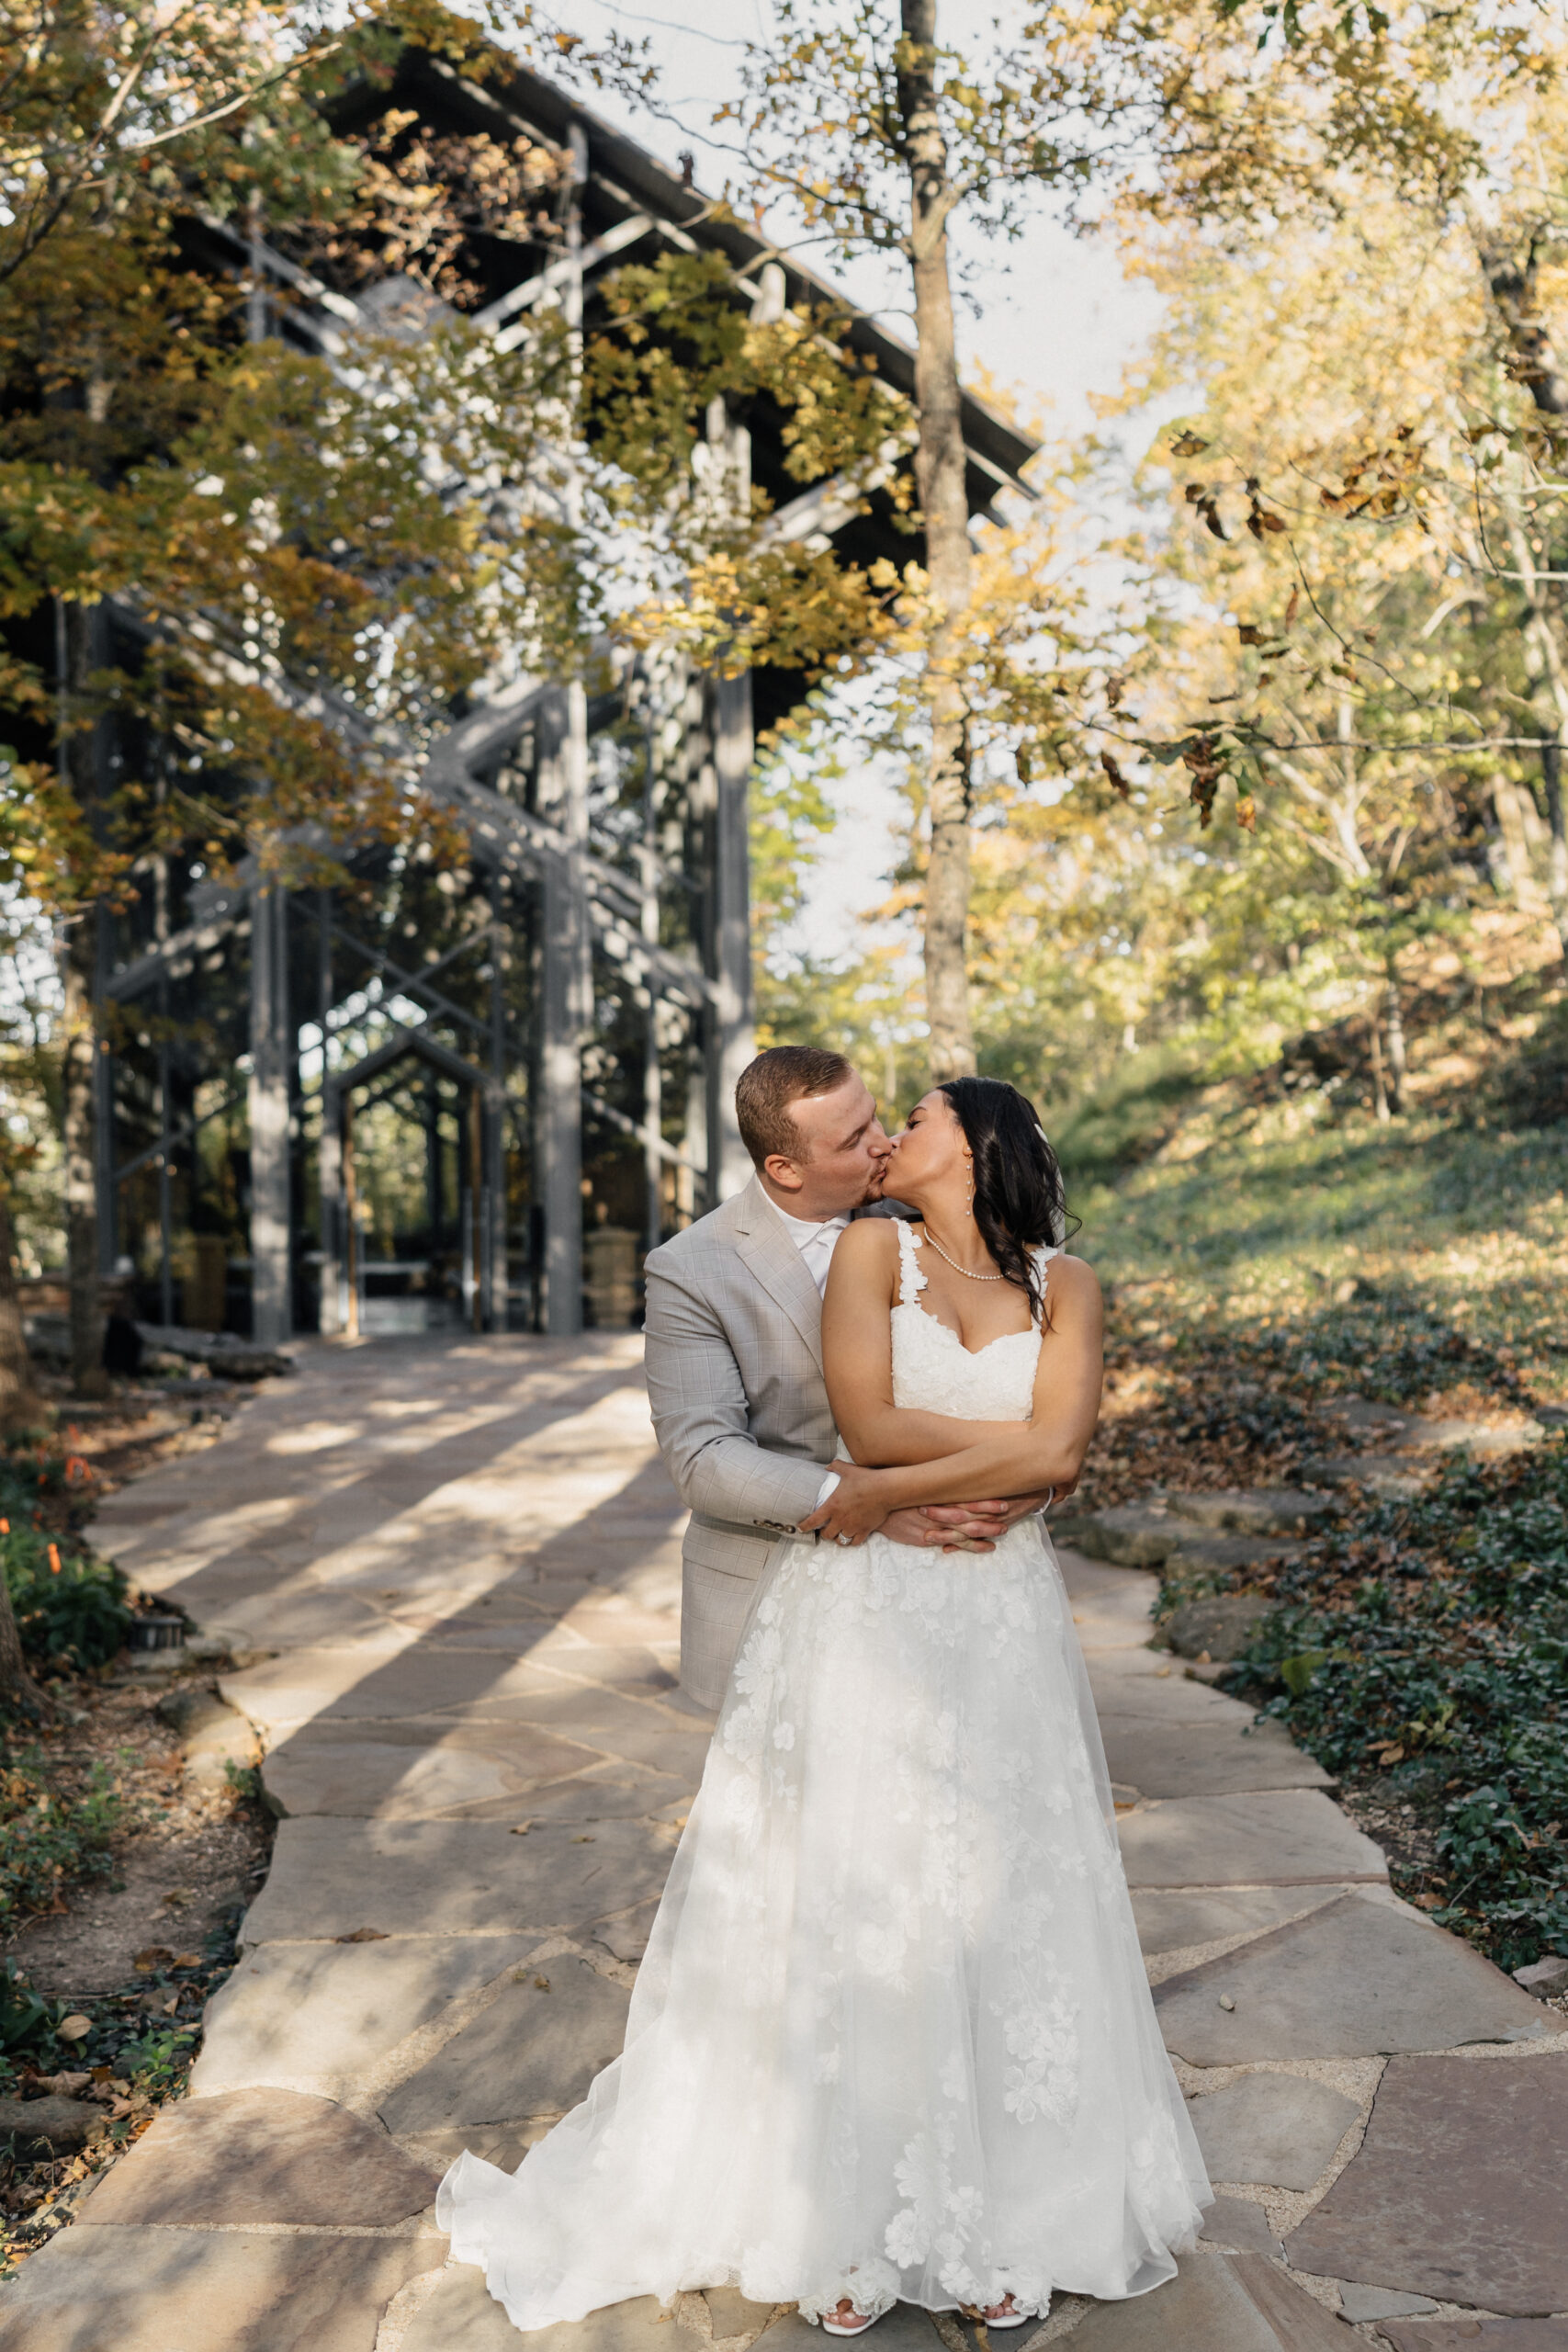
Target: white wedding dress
<point>893,2038</point>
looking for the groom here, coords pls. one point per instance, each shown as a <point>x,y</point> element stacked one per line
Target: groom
<point>734,1352</point>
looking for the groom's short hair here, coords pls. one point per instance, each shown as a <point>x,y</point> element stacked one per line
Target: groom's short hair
<point>767,1087</point>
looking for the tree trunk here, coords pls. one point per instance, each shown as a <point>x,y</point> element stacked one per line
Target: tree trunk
<point>1552,777</point>
<point>1541,637</point>
<point>21,1407</point>
<point>80,1122</point>
<point>16,1686</point>
<point>80,1047</point>
<point>1380,1093</point>
<point>1394,1022</point>
<point>938,472</point>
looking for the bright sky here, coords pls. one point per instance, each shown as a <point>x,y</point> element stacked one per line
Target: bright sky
<point>1057,324</point>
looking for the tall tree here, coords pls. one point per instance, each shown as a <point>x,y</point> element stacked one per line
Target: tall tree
<point>867,130</point>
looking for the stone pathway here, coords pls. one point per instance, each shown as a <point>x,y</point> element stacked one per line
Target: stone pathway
<point>449,1573</point>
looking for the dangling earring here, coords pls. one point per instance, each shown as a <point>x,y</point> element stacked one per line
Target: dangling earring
<point>969,1203</point>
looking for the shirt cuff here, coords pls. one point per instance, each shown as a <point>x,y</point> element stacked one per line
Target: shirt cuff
<point>826,1488</point>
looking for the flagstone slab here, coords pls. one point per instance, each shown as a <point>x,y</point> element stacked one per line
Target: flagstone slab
<point>1256,1510</point>
<point>1281,1837</point>
<point>733,2316</point>
<point>1129,1536</point>
<point>1168,1697</point>
<point>1217,2302</point>
<point>1479,2336</point>
<point>463,2312</point>
<point>906,2328</point>
<point>255,2156</point>
<point>1172,1919</point>
<point>1356,1979</point>
<point>154,2289</point>
<point>330,1878</point>
<point>612,1791</point>
<point>1275,2130</point>
<point>1200,1759</point>
<point>1236,2225</point>
<point>413,1770</point>
<point>322,2016</point>
<point>1358,2303</point>
<point>534,2051</point>
<point>1129,1669</point>
<point>1459,2189</point>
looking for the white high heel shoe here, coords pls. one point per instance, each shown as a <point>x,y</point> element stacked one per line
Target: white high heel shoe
<point>832,2326</point>
<point>978,2317</point>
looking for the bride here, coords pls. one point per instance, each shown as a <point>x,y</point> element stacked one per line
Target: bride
<point>892,2040</point>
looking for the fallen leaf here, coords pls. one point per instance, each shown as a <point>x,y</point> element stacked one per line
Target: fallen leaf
<point>521,1828</point>
<point>1428,1903</point>
<point>75,2028</point>
<point>155,1956</point>
<point>542,1983</point>
<point>364,1935</point>
<point>177,1897</point>
<point>187,1960</point>
<point>586,1840</point>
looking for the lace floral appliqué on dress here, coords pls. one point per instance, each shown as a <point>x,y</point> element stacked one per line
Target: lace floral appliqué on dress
<point>892,2038</point>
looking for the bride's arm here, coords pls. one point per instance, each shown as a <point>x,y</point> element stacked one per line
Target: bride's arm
<point>857,1360</point>
<point>960,1461</point>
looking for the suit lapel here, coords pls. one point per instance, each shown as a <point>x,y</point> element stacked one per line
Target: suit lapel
<point>771,1257</point>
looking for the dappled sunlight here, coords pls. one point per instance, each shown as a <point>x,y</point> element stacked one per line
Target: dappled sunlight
<point>316,1437</point>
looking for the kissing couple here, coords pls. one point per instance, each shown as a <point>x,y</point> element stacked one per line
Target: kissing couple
<point>892,2040</point>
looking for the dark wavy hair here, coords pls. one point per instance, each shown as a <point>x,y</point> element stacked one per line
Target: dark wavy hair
<point>1018,1196</point>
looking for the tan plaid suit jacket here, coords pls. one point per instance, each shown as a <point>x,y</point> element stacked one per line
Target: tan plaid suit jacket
<point>734,1341</point>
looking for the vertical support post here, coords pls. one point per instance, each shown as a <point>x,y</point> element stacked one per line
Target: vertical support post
<point>566,994</point>
<point>351,1253</point>
<point>568,974</point>
<point>733,1041</point>
<point>477,1283</point>
<point>495,1115</point>
<point>271,1319</point>
<point>165,1204</point>
<point>433,1190</point>
<point>105,1185</point>
<point>731,1037</point>
<point>329,1157</point>
<point>652,1075</point>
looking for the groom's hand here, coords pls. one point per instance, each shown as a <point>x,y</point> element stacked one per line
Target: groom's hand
<point>974,1527</point>
<point>947,1527</point>
<point>854,1511</point>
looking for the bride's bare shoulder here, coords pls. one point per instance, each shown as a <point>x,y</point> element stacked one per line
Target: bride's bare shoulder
<point>867,1250</point>
<point>1072,1281</point>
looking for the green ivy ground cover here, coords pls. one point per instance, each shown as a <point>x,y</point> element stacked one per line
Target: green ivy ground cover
<point>1427,1642</point>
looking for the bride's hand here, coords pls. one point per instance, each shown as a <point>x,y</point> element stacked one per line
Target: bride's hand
<point>855,1508</point>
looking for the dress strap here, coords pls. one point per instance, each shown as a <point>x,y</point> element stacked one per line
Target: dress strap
<point>1043,1253</point>
<point>911,1282</point>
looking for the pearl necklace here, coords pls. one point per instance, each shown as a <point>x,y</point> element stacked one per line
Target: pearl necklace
<point>957,1269</point>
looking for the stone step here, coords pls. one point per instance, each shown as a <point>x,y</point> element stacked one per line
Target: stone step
<point>1256,1510</point>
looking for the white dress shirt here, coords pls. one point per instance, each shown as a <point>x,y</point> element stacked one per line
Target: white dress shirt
<point>816,1239</point>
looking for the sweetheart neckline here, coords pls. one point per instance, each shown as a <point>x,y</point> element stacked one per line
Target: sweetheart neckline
<point>973,1353</point>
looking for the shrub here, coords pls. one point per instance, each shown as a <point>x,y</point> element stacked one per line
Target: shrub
<point>47,1838</point>
<point>1427,1641</point>
<point>70,1607</point>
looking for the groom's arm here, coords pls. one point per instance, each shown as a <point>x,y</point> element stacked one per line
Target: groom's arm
<point>700,1419</point>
